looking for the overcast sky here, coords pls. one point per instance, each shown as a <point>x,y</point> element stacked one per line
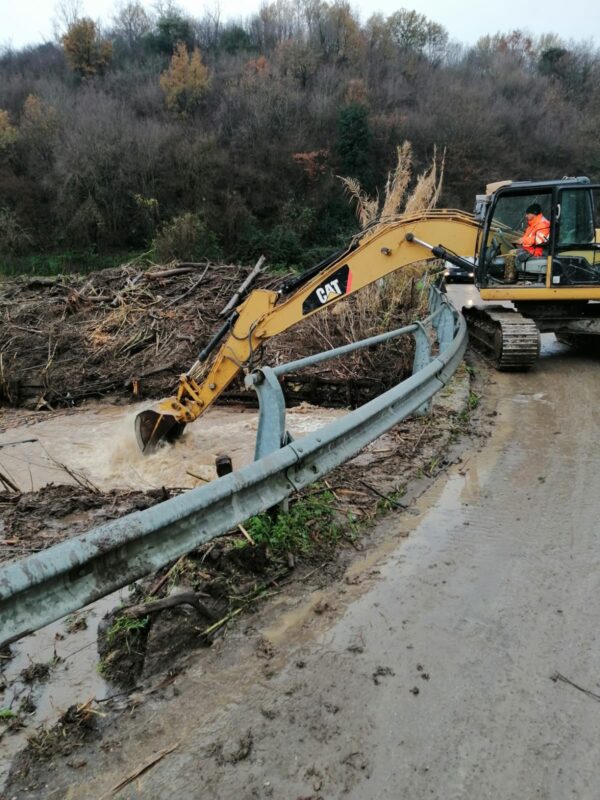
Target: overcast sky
<point>30,21</point>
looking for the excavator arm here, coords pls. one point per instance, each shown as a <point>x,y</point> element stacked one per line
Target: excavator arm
<point>263,314</point>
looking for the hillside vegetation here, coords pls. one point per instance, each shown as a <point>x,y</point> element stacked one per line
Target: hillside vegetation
<point>194,138</point>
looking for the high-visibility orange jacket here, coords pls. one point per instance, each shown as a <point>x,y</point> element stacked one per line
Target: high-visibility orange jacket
<point>536,235</point>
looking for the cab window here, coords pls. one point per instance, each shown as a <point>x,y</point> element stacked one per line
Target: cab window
<point>507,226</point>
<point>578,218</point>
<point>576,259</point>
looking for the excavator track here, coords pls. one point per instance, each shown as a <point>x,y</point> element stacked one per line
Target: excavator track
<point>509,339</point>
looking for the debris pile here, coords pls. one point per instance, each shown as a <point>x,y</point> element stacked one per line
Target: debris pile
<point>120,331</point>
<point>129,332</point>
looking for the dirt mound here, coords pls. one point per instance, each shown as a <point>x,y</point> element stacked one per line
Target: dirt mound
<point>33,521</point>
<point>122,331</point>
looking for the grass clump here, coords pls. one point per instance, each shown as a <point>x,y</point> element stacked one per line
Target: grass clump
<point>390,502</point>
<point>125,626</point>
<point>122,648</point>
<point>473,401</point>
<point>311,521</point>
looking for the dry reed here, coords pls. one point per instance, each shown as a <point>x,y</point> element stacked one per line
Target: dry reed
<point>394,300</point>
<point>397,183</point>
<point>367,209</point>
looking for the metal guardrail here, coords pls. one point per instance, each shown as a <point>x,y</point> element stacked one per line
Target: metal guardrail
<point>46,586</point>
<point>272,435</point>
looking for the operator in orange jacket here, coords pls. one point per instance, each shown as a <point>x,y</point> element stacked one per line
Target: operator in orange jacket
<point>537,233</point>
<point>531,244</point>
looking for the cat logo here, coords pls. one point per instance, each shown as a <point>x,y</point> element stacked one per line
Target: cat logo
<point>329,291</point>
<point>336,285</point>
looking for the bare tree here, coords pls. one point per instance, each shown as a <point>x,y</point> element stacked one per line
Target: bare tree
<point>131,22</point>
<point>66,14</point>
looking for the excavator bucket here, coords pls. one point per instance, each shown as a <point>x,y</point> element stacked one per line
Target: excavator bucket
<point>151,427</point>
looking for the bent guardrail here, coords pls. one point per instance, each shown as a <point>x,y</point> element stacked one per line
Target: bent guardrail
<point>46,586</point>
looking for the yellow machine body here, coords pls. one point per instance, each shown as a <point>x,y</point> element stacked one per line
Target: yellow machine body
<point>486,241</point>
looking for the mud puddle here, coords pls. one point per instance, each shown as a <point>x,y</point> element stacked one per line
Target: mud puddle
<point>44,674</point>
<point>97,445</point>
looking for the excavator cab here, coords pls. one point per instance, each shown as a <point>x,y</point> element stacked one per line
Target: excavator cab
<point>570,258</point>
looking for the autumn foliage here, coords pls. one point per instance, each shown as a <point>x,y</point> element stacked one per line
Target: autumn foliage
<point>86,53</point>
<point>8,132</point>
<point>186,81</point>
<point>159,132</point>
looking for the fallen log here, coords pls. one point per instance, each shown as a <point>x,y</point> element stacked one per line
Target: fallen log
<point>168,273</point>
<point>259,267</point>
<point>181,598</point>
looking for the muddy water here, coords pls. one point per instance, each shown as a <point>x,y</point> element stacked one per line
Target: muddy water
<point>97,443</point>
<point>69,648</point>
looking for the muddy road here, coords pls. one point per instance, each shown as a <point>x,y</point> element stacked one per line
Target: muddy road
<point>456,657</point>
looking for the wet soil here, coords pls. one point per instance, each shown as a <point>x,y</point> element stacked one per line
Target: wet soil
<point>231,581</point>
<point>454,657</point>
<point>32,521</point>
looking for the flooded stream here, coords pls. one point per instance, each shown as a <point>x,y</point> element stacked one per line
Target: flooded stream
<point>97,443</point>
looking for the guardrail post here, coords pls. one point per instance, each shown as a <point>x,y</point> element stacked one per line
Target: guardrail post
<point>435,299</point>
<point>271,434</point>
<point>445,327</point>
<point>422,358</point>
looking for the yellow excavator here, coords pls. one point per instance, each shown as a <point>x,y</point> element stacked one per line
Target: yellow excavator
<point>548,292</point>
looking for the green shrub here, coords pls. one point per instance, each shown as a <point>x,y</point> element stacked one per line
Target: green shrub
<point>309,520</point>
<point>187,238</point>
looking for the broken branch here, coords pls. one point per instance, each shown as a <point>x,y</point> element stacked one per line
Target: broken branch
<point>182,598</point>
<point>385,497</point>
<point>143,767</point>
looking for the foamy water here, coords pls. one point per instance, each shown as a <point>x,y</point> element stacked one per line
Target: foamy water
<point>97,443</point>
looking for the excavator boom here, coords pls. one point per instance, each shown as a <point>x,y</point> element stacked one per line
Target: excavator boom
<point>388,247</point>
<point>550,285</point>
